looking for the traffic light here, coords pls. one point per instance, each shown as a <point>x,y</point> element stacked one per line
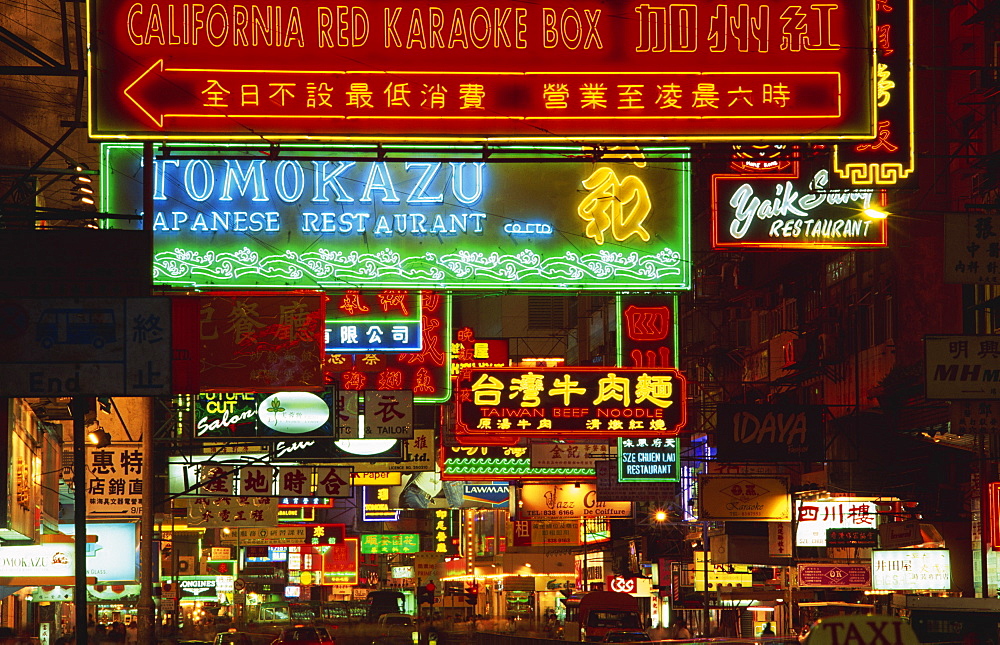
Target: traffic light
<point>425,594</point>
<point>472,594</point>
<point>83,186</point>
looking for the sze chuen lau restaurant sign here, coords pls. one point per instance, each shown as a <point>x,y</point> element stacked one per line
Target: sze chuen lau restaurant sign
<point>488,70</point>
<point>450,225</point>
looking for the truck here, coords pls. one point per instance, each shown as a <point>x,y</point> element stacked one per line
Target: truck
<point>598,612</point>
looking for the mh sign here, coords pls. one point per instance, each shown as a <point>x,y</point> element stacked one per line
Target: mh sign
<point>493,70</point>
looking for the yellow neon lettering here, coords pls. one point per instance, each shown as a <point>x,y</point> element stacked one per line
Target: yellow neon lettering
<point>415,34</point>
<point>480,18</point>
<point>293,32</point>
<point>133,12</point>
<point>154,28</point>
<point>457,33</point>
<point>241,19</point>
<point>324,25</point>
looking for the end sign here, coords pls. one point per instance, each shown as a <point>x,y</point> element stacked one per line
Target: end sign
<point>85,347</point>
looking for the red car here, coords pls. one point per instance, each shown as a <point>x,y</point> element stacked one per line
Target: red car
<point>302,635</point>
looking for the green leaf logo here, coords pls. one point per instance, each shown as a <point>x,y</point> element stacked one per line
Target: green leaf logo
<point>275,407</point>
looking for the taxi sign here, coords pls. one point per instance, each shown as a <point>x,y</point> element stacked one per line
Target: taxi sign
<point>862,630</point>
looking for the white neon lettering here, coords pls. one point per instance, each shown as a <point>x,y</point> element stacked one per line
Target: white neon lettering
<point>326,178</point>
<point>281,181</point>
<point>459,182</point>
<point>235,175</point>
<point>380,180</point>
<point>207,180</point>
<point>419,193</point>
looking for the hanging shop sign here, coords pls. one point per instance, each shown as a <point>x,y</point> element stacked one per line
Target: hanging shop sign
<point>467,351</point>
<point>723,497</point>
<point>815,517</point>
<point>796,209</point>
<point>247,341</point>
<point>426,373</point>
<point>388,414</point>
<point>266,536</point>
<point>39,562</point>
<point>114,480</point>
<point>622,223</point>
<point>858,576</point>
<point>86,347</point>
<point>265,416</point>
<point>200,587</point>
<point>841,538</point>
<point>654,459</point>
<point>961,367</point>
<point>771,433</point>
<point>565,501</point>
<point>544,533</point>
<point>363,322</point>
<point>567,455</point>
<point>911,569</point>
<point>390,543</point>
<point>541,72</point>
<point>232,512</point>
<point>577,401</point>
<point>890,160</point>
<point>647,329</point>
<point>22,483</point>
<point>610,488</point>
<point>969,251</point>
<point>114,557</point>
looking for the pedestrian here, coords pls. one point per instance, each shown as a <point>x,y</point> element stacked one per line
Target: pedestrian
<point>132,633</point>
<point>678,630</point>
<point>767,631</point>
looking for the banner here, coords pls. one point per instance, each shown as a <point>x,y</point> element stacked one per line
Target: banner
<point>769,433</point>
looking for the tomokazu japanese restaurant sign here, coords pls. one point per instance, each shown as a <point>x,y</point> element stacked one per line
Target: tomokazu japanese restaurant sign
<point>580,401</point>
<point>623,223</point>
<point>794,209</point>
<point>493,69</point>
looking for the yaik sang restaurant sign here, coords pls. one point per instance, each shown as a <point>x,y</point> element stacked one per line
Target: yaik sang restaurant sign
<point>449,225</point>
<point>490,70</point>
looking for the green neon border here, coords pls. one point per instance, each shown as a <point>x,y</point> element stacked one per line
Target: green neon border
<point>653,480</point>
<point>499,466</point>
<point>592,264</point>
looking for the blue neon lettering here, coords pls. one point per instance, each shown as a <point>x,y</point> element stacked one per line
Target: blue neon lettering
<point>419,193</point>
<point>235,175</point>
<point>281,181</point>
<point>207,180</point>
<point>160,176</point>
<point>379,179</point>
<point>458,182</point>
<point>325,178</point>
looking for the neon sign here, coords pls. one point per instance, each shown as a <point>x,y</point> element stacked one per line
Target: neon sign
<point>647,334</point>
<point>891,159</point>
<point>786,210</point>
<point>356,326</point>
<point>493,70</point>
<point>412,225</point>
<point>498,404</point>
<point>656,459</point>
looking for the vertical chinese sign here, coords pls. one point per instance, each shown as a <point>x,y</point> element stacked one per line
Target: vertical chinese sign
<point>114,480</point>
<point>647,335</point>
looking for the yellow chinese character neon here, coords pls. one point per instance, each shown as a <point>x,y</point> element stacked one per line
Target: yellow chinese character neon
<point>884,85</point>
<point>655,389</point>
<point>215,94</point>
<point>485,424</point>
<point>359,96</point>
<point>434,96</point>
<point>593,424</point>
<point>544,424</point>
<point>565,388</point>
<point>529,385</point>
<point>605,206</point>
<point>471,95</point>
<point>397,94</point>
<point>503,424</point>
<point>281,92</point>
<point>630,97</point>
<point>318,95</point>
<point>740,94</point>
<point>612,387</point>
<point>777,93</point>
<point>593,95</point>
<point>486,390</point>
<point>249,95</point>
<point>706,96</point>
<point>669,96</point>
<point>556,96</point>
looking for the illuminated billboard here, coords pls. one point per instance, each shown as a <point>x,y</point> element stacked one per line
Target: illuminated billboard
<point>619,224</point>
<point>493,71</point>
<point>498,404</point>
<point>793,209</point>
<point>910,569</point>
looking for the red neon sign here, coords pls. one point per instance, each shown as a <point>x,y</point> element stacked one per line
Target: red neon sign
<point>495,69</point>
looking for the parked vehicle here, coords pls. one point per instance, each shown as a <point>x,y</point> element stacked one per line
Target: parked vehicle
<point>599,612</point>
<point>625,636</point>
<point>303,635</point>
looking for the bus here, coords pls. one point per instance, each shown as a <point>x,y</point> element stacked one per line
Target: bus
<point>599,612</point>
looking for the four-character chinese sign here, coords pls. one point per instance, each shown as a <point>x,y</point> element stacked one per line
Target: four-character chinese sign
<point>493,70</point>
<point>114,480</point>
<point>617,401</point>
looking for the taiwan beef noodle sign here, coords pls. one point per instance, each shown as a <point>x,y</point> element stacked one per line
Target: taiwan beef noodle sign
<point>415,225</point>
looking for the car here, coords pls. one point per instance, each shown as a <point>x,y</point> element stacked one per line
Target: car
<point>396,629</point>
<point>304,635</point>
<point>625,636</point>
<point>232,637</point>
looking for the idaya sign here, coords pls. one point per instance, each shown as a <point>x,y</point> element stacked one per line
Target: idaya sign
<point>499,404</point>
<point>911,569</point>
<point>560,502</point>
<point>623,223</point>
<point>769,433</point>
<point>835,575</point>
<point>962,367</point>
<point>724,497</point>
<point>786,210</point>
<point>494,70</point>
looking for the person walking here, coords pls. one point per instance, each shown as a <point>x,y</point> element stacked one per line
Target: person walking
<point>767,631</point>
<point>678,630</point>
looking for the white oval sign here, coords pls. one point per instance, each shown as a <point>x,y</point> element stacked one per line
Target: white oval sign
<point>293,412</point>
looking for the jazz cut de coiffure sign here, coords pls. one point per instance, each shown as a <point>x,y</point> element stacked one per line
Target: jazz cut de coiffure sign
<point>416,225</point>
<point>490,70</point>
